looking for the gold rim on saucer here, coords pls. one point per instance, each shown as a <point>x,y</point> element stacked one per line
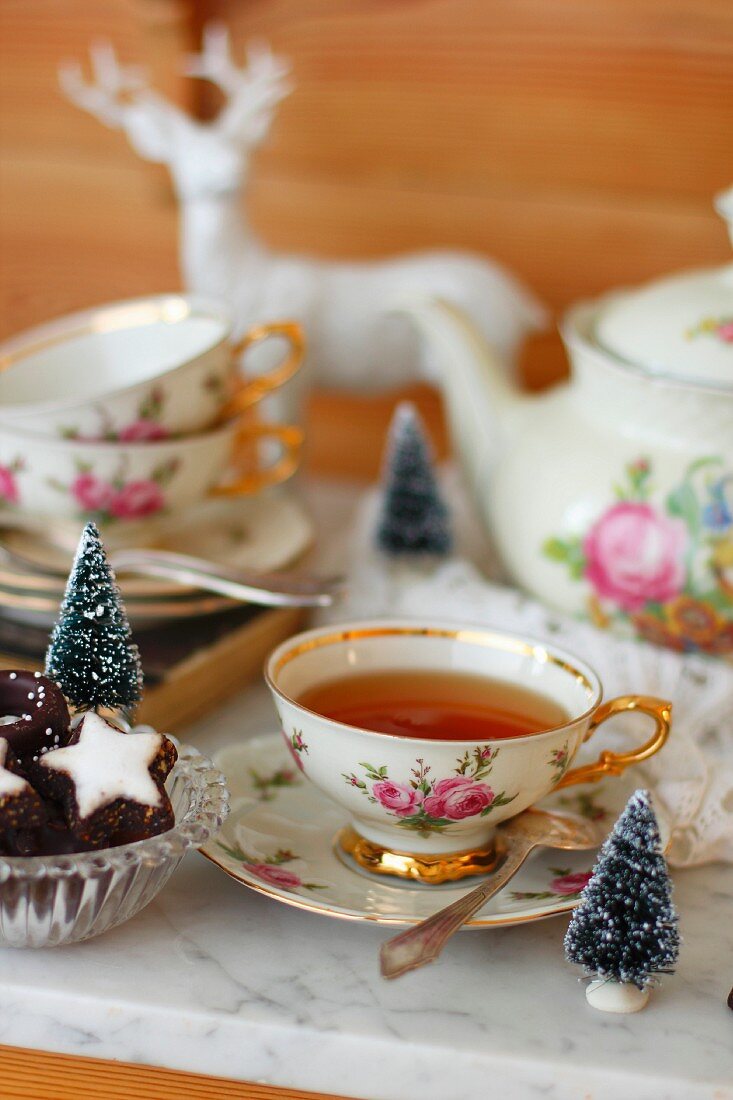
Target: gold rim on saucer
<point>238,527</point>
<point>432,869</point>
<point>267,533</point>
<point>315,877</point>
<point>136,609</point>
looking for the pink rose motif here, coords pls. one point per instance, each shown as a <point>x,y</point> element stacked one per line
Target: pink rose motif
<point>137,499</point>
<point>458,798</point>
<point>8,486</point>
<point>91,493</point>
<point>570,884</point>
<point>296,745</point>
<point>276,876</point>
<point>635,555</point>
<point>296,758</point>
<point>400,798</point>
<point>142,431</point>
<point>725,331</point>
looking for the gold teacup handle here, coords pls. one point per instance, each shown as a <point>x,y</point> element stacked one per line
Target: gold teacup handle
<point>612,763</point>
<point>252,390</point>
<point>291,439</point>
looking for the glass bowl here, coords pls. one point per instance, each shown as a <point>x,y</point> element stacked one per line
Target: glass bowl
<point>50,900</point>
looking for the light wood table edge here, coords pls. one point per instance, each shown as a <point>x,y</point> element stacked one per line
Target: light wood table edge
<point>41,1075</point>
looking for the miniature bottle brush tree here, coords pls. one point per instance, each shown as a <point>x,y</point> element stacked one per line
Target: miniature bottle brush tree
<point>91,655</point>
<point>624,931</point>
<point>414,519</point>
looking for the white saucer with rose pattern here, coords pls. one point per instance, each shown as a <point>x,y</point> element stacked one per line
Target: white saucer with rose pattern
<point>279,840</point>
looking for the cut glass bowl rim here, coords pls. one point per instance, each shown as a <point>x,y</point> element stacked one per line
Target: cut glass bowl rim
<point>207,809</point>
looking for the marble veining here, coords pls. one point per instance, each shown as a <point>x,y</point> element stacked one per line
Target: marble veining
<point>216,979</point>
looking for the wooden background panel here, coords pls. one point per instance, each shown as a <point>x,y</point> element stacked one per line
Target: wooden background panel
<point>579,142</point>
<point>470,93</point>
<point>82,219</point>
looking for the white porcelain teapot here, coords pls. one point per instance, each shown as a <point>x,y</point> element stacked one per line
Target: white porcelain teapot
<point>611,495</point>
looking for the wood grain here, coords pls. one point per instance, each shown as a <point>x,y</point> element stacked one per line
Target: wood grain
<point>579,142</point>
<point>37,1075</point>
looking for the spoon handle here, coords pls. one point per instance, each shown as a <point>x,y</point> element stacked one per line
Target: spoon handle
<point>424,942</point>
<point>271,590</point>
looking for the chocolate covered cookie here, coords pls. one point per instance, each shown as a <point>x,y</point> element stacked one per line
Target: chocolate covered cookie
<point>51,838</point>
<point>110,783</point>
<point>20,805</point>
<point>38,712</point>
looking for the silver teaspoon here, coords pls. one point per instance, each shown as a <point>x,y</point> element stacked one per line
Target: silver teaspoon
<point>266,589</point>
<point>531,829</point>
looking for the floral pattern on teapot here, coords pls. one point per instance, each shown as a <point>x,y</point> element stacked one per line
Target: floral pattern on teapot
<point>9,490</point>
<point>663,567</point>
<point>720,327</point>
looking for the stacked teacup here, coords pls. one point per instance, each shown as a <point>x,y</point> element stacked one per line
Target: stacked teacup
<point>130,413</point>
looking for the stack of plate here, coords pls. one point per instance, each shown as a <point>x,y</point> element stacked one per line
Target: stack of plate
<point>264,533</point>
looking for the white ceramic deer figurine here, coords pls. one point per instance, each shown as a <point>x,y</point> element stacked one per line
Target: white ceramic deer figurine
<point>356,339</point>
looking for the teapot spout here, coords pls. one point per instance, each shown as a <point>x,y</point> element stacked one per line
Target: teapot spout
<point>483,406</point>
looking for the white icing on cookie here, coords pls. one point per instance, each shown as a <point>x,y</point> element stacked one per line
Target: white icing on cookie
<point>9,784</point>
<point>106,764</point>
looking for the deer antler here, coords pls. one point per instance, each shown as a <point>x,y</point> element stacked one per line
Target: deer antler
<point>104,97</point>
<point>120,98</point>
<point>252,92</point>
<point>214,63</point>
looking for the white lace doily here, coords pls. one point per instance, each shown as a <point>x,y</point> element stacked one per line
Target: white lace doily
<point>692,777</point>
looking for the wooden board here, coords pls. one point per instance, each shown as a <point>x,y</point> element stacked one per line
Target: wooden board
<point>579,142</point>
<point>190,667</point>
<point>36,1075</point>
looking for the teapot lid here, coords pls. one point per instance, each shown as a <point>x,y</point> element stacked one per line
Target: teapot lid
<point>680,326</point>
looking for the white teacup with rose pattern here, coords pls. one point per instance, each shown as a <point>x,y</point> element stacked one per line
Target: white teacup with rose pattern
<point>128,485</point>
<point>137,371</point>
<point>431,798</point>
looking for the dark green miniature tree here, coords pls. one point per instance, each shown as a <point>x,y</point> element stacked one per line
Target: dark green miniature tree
<point>91,656</point>
<point>414,519</point>
<point>625,927</point>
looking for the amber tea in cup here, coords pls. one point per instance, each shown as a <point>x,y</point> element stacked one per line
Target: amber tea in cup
<point>428,735</point>
<point>434,705</point>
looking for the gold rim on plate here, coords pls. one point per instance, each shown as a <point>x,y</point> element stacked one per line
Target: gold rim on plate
<point>246,514</point>
<point>325,882</point>
<point>339,914</point>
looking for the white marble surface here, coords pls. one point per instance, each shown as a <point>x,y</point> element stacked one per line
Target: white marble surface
<point>216,979</point>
